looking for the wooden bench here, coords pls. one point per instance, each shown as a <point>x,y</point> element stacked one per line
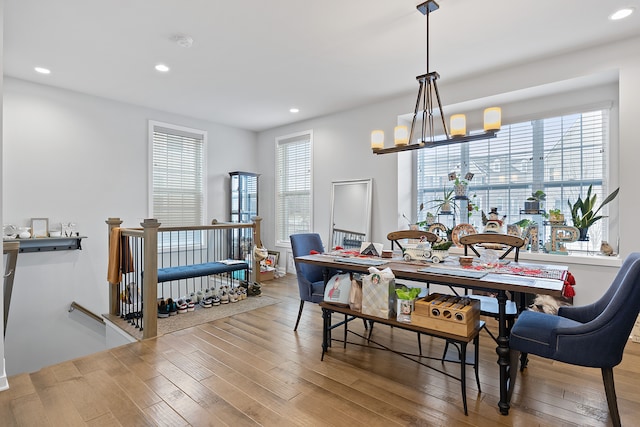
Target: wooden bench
<point>461,341</point>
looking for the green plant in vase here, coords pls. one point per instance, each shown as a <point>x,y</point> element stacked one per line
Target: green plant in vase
<point>584,213</point>
<point>445,204</point>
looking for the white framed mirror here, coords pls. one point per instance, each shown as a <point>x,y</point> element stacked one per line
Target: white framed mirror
<point>350,213</point>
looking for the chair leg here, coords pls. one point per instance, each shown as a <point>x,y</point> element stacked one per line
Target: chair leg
<point>299,314</point>
<point>610,391</point>
<point>524,361</point>
<point>419,344</point>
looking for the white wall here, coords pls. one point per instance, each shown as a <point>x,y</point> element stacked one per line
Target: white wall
<point>341,148</point>
<point>73,157</point>
<point>3,374</point>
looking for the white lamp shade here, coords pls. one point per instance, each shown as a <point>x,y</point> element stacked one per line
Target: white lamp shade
<point>377,139</point>
<point>401,135</point>
<point>492,118</point>
<point>458,124</point>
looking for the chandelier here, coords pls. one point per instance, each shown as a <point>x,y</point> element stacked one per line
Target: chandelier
<point>428,99</point>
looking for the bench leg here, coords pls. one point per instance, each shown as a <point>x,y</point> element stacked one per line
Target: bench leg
<point>463,374</point>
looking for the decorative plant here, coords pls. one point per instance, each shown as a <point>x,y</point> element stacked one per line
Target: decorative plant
<point>473,206</point>
<point>447,199</point>
<point>537,196</point>
<point>583,211</point>
<point>555,212</point>
<point>442,246</point>
<point>408,293</point>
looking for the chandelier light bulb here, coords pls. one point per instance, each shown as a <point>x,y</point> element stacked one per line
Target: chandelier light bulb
<point>377,139</point>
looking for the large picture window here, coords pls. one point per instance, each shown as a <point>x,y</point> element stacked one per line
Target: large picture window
<point>293,185</point>
<point>561,156</point>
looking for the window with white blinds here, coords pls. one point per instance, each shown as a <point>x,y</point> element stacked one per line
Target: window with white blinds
<point>562,156</point>
<point>177,175</point>
<point>293,185</point>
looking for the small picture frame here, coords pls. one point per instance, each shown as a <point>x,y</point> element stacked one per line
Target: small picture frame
<point>40,227</point>
<point>452,176</point>
<point>272,259</point>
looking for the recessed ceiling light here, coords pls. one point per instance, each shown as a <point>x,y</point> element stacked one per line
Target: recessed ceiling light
<point>42,70</point>
<point>621,14</point>
<point>294,110</point>
<point>162,68</point>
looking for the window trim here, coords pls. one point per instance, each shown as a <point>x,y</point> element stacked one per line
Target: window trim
<point>287,243</point>
<point>152,126</point>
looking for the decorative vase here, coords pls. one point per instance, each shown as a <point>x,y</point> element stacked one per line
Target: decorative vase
<point>446,207</point>
<point>531,206</point>
<point>583,234</point>
<point>460,190</point>
<point>404,309</point>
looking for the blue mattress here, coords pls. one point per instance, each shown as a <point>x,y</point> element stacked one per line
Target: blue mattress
<point>197,270</point>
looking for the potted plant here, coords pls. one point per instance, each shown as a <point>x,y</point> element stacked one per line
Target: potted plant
<point>584,213</point>
<point>439,251</point>
<point>445,204</point>
<point>406,298</point>
<point>460,187</point>
<point>532,204</point>
<point>556,216</point>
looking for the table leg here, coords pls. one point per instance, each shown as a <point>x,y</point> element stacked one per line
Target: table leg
<point>503,353</point>
<point>326,329</point>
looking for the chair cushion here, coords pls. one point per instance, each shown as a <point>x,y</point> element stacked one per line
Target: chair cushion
<point>317,291</point>
<point>489,305</point>
<point>534,332</point>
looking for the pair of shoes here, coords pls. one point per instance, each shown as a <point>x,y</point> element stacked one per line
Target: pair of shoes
<point>207,302</point>
<point>242,293</point>
<point>191,306</point>
<point>215,300</point>
<point>224,295</point>
<point>182,306</point>
<point>254,290</point>
<point>233,297</point>
<point>172,306</point>
<point>199,296</point>
<point>163,309</point>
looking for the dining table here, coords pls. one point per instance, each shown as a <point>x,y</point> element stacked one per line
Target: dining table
<point>500,279</point>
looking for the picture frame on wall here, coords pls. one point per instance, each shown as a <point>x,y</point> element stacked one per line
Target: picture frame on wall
<point>40,227</point>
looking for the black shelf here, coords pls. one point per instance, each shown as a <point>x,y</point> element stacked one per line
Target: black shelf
<point>49,244</point>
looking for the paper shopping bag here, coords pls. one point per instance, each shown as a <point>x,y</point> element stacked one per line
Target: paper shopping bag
<point>378,293</point>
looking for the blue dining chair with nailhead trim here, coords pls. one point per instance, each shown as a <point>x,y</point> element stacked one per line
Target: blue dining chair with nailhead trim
<point>593,336</point>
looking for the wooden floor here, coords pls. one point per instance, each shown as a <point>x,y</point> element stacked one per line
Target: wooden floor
<point>252,369</point>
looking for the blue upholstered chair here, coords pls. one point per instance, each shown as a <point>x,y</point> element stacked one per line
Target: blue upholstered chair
<point>310,277</point>
<point>593,336</point>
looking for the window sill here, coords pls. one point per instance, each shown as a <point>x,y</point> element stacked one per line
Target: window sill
<point>571,259</point>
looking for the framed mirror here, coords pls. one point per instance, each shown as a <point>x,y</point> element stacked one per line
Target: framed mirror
<point>350,213</point>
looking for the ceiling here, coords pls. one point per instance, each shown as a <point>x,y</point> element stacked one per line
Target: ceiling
<point>252,60</point>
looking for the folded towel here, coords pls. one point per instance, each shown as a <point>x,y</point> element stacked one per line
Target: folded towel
<point>120,258</point>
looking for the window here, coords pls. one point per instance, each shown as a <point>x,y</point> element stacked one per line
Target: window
<point>293,185</point>
<point>177,175</point>
<point>562,156</point>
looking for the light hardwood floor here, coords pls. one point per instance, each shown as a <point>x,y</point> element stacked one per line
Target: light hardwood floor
<point>252,369</point>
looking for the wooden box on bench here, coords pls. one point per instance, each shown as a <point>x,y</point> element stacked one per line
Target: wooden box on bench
<point>446,313</point>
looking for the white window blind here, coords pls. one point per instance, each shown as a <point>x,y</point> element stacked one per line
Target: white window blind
<point>560,155</point>
<point>178,194</point>
<point>293,186</point>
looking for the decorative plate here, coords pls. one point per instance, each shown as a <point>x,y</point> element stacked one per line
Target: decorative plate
<point>461,230</point>
<point>439,230</point>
